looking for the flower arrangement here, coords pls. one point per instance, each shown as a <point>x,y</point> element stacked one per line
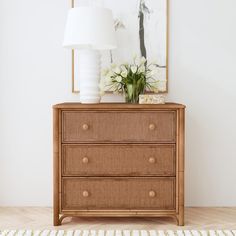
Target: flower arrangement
<point>130,79</point>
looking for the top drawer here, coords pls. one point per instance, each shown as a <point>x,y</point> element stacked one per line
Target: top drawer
<point>84,127</point>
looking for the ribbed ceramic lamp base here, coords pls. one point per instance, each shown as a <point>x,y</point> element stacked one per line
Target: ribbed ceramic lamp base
<point>89,75</point>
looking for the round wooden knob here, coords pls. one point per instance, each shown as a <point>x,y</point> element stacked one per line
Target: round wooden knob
<point>152,126</point>
<point>152,160</point>
<point>152,193</point>
<point>85,193</point>
<point>85,126</point>
<point>85,160</point>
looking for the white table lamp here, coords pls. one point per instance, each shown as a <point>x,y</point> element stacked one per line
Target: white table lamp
<point>88,30</point>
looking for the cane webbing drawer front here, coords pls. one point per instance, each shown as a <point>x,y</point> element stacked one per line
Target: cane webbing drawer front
<point>118,193</point>
<point>118,160</point>
<point>118,126</point>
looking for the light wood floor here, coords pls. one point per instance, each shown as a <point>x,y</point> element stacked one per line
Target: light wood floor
<point>41,218</point>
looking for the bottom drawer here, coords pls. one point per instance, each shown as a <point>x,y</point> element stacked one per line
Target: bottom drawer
<point>118,193</point>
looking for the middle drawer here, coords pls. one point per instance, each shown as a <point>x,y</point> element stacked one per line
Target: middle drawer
<point>118,160</point>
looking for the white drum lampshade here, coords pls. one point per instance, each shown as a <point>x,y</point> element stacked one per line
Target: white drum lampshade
<point>89,29</point>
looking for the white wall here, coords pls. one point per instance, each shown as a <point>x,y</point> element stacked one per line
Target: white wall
<point>34,74</point>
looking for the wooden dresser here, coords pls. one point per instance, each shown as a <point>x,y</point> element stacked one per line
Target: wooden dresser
<point>118,160</point>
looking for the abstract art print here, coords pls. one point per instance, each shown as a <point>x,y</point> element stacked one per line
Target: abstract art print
<point>141,30</point>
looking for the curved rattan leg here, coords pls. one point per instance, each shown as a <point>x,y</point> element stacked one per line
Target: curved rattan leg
<point>180,220</point>
<point>62,217</point>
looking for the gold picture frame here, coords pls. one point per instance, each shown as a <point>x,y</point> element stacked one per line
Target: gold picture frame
<point>167,56</point>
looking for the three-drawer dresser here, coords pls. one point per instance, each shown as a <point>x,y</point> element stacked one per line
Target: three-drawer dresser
<point>118,160</point>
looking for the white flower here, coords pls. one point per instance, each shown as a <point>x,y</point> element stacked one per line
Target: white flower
<point>141,69</point>
<point>124,73</point>
<point>134,69</point>
<point>142,60</point>
<point>118,79</point>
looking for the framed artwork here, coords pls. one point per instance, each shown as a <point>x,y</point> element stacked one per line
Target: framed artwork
<point>141,30</point>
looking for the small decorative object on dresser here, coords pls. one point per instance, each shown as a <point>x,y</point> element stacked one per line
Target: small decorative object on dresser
<point>118,160</point>
<point>151,99</point>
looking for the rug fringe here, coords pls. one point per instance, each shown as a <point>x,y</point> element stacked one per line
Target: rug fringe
<point>118,233</point>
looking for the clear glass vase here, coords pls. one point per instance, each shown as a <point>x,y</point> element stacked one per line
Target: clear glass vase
<point>132,92</point>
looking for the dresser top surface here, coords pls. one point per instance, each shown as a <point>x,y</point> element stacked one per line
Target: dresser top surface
<point>74,105</point>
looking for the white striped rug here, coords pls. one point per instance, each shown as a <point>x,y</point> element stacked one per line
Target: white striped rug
<point>117,232</point>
